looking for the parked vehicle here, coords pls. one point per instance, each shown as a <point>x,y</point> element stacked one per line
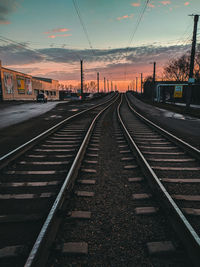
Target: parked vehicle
<point>42,98</point>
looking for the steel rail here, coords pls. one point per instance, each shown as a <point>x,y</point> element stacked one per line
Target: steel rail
<point>12,155</point>
<point>37,252</point>
<point>189,148</point>
<point>182,227</point>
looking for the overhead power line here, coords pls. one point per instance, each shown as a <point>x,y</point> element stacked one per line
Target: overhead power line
<point>83,25</point>
<point>134,32</point>
<point>138,22</point>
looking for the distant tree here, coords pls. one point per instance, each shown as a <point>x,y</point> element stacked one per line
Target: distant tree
<point>92,87</point>
<point>178,69</point>
<point>197,64</point>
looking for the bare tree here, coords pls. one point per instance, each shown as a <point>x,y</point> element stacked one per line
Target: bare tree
<point>197,64</point>
<point>178,69</point>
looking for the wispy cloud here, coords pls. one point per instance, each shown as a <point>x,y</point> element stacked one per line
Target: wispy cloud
<point>165,2</point>
<point>13,54</point>
<point>135,4</point>
<point>186,3</point>
<point>5,22</point>
<point>48,62</point>
<point>151,5</point>
<point>126,17</point>
<point>57,30</point>
<point>58,35</point>
<point>7,7</point>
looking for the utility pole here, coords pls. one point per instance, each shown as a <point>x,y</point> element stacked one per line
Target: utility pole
<point>141,82</point>
<point>154,72</point>
<point>108,85</point>
<point>154,80</point>
<point>97,82</point>
<point>81,78</point>
<point>104,79</point>
<point>136,83</point>
<point>191,73</point>
<point>111,86</point>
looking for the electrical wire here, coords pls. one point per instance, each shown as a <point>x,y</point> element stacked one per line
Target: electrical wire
<point>138,23</point>
<point>83,25</point>
<point>134,32</point>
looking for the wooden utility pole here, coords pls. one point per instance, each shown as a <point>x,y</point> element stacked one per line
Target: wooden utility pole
<point>108,85</point>
<point>97,82</point>
<point>191,73</point>
<point>154,80</point>
<point>81,78</point>
<point>154,72</point>
<point>141,82</point>
<point>104,79</point>
<point>136,83</point>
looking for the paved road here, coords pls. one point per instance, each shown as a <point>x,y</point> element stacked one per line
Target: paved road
<point>16,113</point>
<point>184,126</point>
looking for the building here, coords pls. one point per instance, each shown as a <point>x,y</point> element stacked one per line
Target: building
<point>16,85</point>
<point>162,91</point>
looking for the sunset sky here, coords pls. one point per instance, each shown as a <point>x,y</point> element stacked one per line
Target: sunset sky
<point>46,38</point>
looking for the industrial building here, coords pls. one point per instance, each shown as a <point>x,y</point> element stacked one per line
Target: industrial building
<point>15,85</point>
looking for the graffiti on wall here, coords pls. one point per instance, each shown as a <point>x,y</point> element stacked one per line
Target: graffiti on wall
<point>20,85</point>
<point>8,83</point>
<point>28,86</point>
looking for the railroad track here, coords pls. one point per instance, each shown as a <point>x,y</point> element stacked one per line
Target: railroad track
<point>36,179</point>
<point>173,171</point>
<point>112,218</point>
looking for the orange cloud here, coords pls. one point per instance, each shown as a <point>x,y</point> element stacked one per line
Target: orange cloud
<point>59,35</point>
<point>125,17</point>
<point>151,5</point>
<point>52,36</point>
<point>4,22</point>
<point>57,30</point>
<point>135,4</point>
<point>186,3</point>
<point>165,2</point>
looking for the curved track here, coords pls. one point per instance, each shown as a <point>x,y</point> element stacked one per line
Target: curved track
<point>35,180</point>
<point>114,220</point>
<point>173,171</point>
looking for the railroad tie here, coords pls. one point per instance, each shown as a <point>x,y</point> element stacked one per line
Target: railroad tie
<point>135,179</point>
<point>127,158</point>
<point>88,170</point>
<point>80,248</point>
<point>84,194</point>
<point>191,211</point>
<point>12,251</point>
<point>78,214</point>
<point>180,180</point>
<point>130,167</point>
<point>146,210</point>
<point>160,248</point>
<point>87,182</point>
<point>141,196</point>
